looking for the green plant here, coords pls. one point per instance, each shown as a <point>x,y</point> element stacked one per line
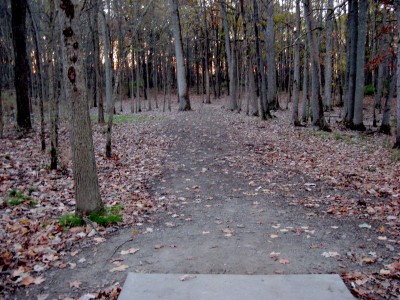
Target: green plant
<point>31,190</point>
<point>107,216</point>
<point>395,157</point>
<point>16,198</point>
<point>369,90</point>
<point>71,220</point>
<point>337,136</point>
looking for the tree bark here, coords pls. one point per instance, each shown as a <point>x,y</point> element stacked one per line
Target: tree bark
<point>328,58</point>
<point>183,92</point>
<point>87,194</point>
<point>316,100</point>
<point>397,143</point>
<point>296,75</point>
<point>360,74</point>
<point>21,65</point>
<point>271,66</point>
<point>231,58</point>
<point>351,60</point>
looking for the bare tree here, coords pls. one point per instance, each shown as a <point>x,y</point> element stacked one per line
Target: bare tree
<point>21,65</point>
<point>87,194</point>
<point>183,91</point>
<point>316,100</point>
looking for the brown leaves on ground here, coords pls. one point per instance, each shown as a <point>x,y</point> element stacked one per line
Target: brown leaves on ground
<point>30,234</point>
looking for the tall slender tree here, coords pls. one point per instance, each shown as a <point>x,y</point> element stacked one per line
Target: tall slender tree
<point>87,194</point>
<point>21,66</point>
<point>183,91</point>
<point>318,118</point>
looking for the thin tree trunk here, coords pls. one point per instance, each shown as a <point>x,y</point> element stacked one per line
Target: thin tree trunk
<point>328,58</point>
<point>1,111</point>
<point>87,194</point>
<point>385,126</point>
<point>206,60</point>
<point>183,92</point>
<point>305,99</point>
<point>38,52</point>
<point>54,103</point>
<point>397,143</point>
<point>352,60</point>
<point>231,58</point>
<point>296,79</point>
<point>107,61</point>
<point>360,74</point>
<point>271,67</point>
<point>21,65</point>
<point>316,100</point>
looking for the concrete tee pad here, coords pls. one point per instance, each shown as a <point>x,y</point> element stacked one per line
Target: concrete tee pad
<point>234,287</point>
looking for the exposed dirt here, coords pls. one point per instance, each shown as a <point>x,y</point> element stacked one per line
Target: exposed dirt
<point>222,216</point>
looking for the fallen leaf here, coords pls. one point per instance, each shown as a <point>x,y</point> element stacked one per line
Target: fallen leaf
<point>228,232</point>
<point>330,254</point>
<point>158,246</point>
<point>75,284</point>
<point>129,251</point>
<point>284,261</point>
<point>119,268</point>
<point>186,277</point>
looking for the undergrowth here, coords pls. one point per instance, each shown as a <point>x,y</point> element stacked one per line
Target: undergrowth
<point>108,216</point>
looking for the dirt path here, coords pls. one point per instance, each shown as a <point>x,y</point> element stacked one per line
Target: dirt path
<point>218,221</point>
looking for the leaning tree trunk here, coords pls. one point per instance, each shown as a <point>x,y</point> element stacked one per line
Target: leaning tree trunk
<point>87,194</point>
<point>21,64</point>
<point>316,100</point>
<point>183,92</point>
<point>360,75</point>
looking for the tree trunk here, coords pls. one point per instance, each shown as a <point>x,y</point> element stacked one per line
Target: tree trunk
<point>352,60</point>
<point>40,74</point>
<point>21,65</point>
<point>54,103</point>
<point>328,58</point>
<point>99,82</point>
<point>1,111</point>
<point>87,194</point>
<point>397,143</point>
<point>183,92</point>
<point>305,98</point>
<point>206,60</point>
<point>107,60</point>
<point>360,74</point>
<point>231,58</point>
<point>385,126</point>
<point>296,75</point>
<point>316,100</point>
<point>264,108</point>
<point>271,66</point>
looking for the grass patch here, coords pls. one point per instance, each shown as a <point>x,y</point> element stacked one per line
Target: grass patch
<point>107,216</point>
<point>71,220</point>
<point>395,157</point>
<point>16,198</point>
<point>124,119</point>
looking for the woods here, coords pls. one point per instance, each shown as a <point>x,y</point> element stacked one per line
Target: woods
<point>86,88</point>
<point>253,51</point>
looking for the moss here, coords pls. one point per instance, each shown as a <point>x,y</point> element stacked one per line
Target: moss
<point>71,220</point>
<point>107,216</point>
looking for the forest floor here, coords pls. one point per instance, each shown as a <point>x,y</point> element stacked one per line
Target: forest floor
<point>206,191</point>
